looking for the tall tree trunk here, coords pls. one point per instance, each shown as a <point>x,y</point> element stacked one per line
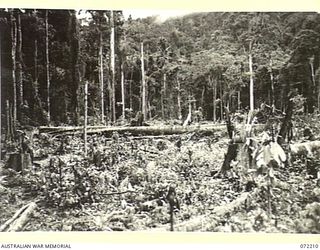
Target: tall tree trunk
<point>272,86</point>
<point>149,109</point>
<point>308,89</point>
<point>319,97</point>
<point>239,100</point>
<point>9,132</point>
<point>85,116</point>
<point>47,64</point>
<point>144,87</point>
<point>221,101</point>
<point>163,96</point>
<point>179,99</point>
<point>20,63</point>
<point>228,102</point>
<point>112,68</point>
<point>189,116</point>
<point>109,107</point>
<point>101,77</point>
<point>123,93</point>
<point>251,78</point>
<point>13,56</point>
<point>190,105</point>
<point>130,91</point>
<point>75,66</point>
<point>313,89</point>
<point>202,96</point>
<point>170,104</point>
<point>36,66</point>
<point>37,109</point>
<point>214,98</point>
<point>312,71</point>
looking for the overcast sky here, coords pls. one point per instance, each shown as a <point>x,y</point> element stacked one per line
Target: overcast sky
<point>163,14</point>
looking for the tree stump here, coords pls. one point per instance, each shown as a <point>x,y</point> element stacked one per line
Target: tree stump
<point>19,162</point>
<point>231,155</point>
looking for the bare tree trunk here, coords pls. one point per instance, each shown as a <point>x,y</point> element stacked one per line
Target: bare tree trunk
<point>85,116</point>
<point>190,106</point>
<point>313,77</point>
<point>163,96</point>
<point>202,96</point>
<point>319,99</point>
<point>162,104</point>
<point>251,78</point>
<point>19,64</point>
<point>47,64</point>
<point>144,86</point>
<point>112,66</point>
<point>312,71</point>
<point>109,108</point>
<point>9,133</point>
<point>130,93</point>
<point>123,93</point>
<point>101,77</point>
<point>170,105</point>
<point>221,102</point>
<point>7,104</point>
<point>13,56</point>
<point>74,42</point>
<point>37,106</point>
<point>179,99</point>
<point>214,98</point>
<point>149,109</point>
<point>36,67</point>
<point>130,90</point>
<point>189,116</point>
<point>272,86</point>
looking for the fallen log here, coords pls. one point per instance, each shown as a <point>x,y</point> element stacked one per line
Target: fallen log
<point>209,222</point>
<point>134,130</point>
<point>160,130</point>
<point>60,129</point>
<point>19,219</point>
<point>207,129</point>
<point>305,148</point>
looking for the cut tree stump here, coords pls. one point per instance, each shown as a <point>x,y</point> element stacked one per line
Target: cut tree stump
<point>19,162</point>
<point>231,155</point>
<point>233,147</point>
<point>19,219</point>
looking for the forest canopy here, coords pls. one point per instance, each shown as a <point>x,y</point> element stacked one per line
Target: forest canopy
<point>213,60</point>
